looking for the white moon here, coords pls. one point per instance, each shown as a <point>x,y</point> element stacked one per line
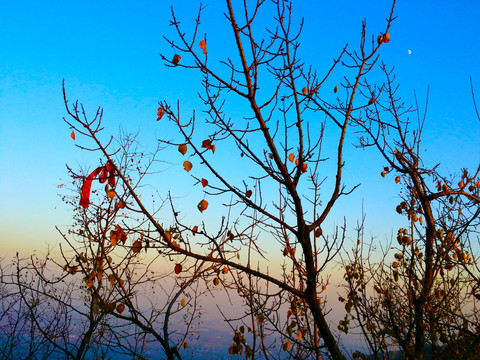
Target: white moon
<point>409,52</point>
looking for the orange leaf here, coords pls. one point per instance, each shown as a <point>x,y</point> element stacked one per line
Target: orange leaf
<point>111,194</point>
<point>304,91</point>
<point>304,167</point>
<point>248,193</point>
<point>72,135</point>
<point>386,38</point>
<point>195,230</point>
<point>159,113</point>
<point>178,269</point>
<point>187,165</point>
<point>397,179</point>
<point>291,157</point>
<point>204,182</point>
<point>176,59</point>
<point>202,205</point>
<point>203,46</point>
<point>183,148</point>
<point>335,89</point>
<point>137,247</point>
<point>207,144</point>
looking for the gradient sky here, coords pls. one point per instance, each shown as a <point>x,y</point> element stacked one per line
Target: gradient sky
<point>107,52</point>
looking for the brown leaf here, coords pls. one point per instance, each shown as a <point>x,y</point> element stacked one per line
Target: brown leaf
<point>176,59</point>
<point>183,148</point>
<point>137,246</point>
<point>178,269</point>
<point>120,308</point>
<point>187,165</point>
<point>202,205</point>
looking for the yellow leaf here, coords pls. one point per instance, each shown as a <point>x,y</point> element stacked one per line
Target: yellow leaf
<point>187,165</point>
<point>291,157</point>
<point>183,148</point>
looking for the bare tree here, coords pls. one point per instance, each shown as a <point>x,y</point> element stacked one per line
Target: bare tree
<point>426,296</point>
<point>280,140</point>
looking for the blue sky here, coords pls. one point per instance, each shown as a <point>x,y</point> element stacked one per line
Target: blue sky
<point>107,52</point>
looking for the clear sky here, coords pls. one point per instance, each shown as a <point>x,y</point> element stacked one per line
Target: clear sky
<point>107,52</point>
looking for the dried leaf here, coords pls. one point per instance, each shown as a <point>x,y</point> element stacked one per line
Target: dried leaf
<point>72,135</point>
<point>182,302</point>
<point>203,46</point>
<point>304,167</point>
<point>178,269</point>
<point>248,193</point>
<point>335,89</point>
<point>159,113</point>
<point>291,157</point>
<point>207,144</point>
<point>304,91</point>
<point>183,148</point>
<point>195,230</point>
<point>137,246</point>
<point>111,194</point>
<point>120,308</point>
<point>397,179</point>
<point>202,205</point>
<point>187,165</point>
<point>176,59</point>
<point>204,182</point>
